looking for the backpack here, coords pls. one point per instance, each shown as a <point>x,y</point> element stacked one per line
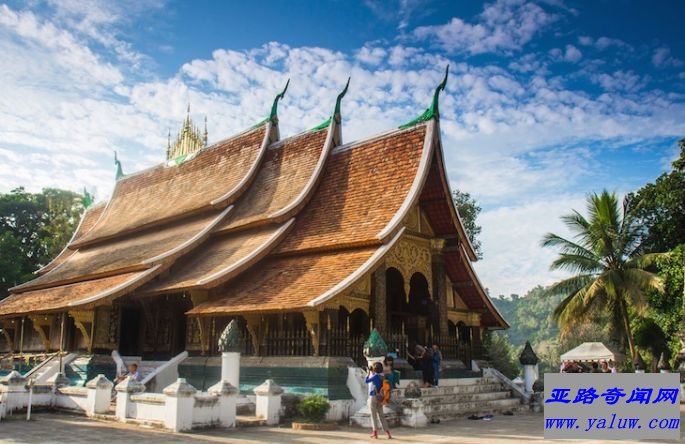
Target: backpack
<point>386,391</point>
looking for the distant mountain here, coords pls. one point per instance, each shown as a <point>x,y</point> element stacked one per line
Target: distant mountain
<point>530,317</point>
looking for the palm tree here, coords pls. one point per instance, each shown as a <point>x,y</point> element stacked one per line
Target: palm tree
<point>609,270</point>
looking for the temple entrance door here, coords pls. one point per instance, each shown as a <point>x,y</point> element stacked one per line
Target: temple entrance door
<point>129,344</point>
<point>420,307</point>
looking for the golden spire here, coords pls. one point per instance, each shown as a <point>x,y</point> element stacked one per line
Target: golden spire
<point>188,140</point>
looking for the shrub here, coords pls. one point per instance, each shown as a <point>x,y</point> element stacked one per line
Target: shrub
<point>313,408</point>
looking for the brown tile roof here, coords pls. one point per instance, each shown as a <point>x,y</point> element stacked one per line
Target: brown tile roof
<point>125,254</point>
<point>284,174</point>
<point>56,298</point>
<point>165,192</point>
<point>363,187</point>
<point>219,259</point>
<point>285,283</point>
<point>88,219</point>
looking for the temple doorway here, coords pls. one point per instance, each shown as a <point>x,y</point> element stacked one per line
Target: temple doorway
<point>129,343</point>
<point>413,314</point>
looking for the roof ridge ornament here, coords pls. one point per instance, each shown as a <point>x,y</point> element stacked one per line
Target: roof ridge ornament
<point>336,111</point>
<point>87,199</point>
<point>273,115</point>
<point>433,110</point>
<point>120,171</point>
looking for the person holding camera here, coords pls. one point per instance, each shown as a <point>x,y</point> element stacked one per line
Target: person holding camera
<point>374,380</point>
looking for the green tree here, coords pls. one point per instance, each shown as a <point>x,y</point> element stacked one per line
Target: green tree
<point>34,228</point>
<point>660,207</point>
<point>610,273</point>
<point>501,354</point>
<point>468,213</point>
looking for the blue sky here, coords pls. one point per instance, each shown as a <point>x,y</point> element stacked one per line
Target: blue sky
<point>546,101</point>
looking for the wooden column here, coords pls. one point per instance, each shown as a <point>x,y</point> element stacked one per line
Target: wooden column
<point>204,323</point>
<point>42,324</point>
<point>256,331</point>
<point>84,321</point>
<point>380,310</point>
<point>440,284</point>
<point>7,327</point>
<point>312,317</point>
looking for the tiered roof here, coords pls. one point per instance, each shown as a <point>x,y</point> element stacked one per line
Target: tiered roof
<point>262,224</point>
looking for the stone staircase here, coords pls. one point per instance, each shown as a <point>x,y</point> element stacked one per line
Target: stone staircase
<point>414,406</point>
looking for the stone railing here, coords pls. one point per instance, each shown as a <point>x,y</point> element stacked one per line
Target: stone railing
<point>518,391</point>
<point>179,408</point>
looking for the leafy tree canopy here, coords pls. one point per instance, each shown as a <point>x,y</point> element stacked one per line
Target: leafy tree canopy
<point>468,212</point>
<point>660,207</point>
<point>34,228</point>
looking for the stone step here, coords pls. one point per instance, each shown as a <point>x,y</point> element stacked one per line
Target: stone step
<point>456,390</point>
<point>496,411</point>
<point>467,397</point>
<point>458,409</point>
<point>249,421</point>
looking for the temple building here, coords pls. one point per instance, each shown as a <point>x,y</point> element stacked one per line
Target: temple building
<point>309,241</point>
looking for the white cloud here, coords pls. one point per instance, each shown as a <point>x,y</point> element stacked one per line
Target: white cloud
<point>662,58</point>
<point>514,261</point>
<point>572,54</point>
<point>371,56</point>
<point>503,26</point>
<point>619,81</point>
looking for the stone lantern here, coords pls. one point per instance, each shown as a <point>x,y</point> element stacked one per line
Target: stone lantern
<point>229,345</point>
<point>529,361</point>
<point>375,348</point>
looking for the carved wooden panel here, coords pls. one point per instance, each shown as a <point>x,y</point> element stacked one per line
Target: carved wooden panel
<point>106,327</point>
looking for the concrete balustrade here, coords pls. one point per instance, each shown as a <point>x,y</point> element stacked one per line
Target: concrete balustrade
<point>268,402</point>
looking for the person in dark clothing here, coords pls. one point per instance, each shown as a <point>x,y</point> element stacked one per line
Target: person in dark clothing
<point>427,367</point>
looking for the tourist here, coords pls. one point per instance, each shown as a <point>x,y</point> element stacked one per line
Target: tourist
<point>389,373</point>
<point>427,367</point>
<point>437,361</point>
<point>595,368</point>
<point>612,367</point>
<point>604,367</point>
<point>374,380</point>
<point>132,372</point>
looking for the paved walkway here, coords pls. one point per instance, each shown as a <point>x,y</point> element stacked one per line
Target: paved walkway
<point>60,428</point>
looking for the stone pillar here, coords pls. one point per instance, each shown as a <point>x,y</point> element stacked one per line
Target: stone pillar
<point>99,395</point>
<point>230,368</point>
<point>439,285</point>
<point>529,360</point>
<point>180,401</point>
<point>16,394</point>
<point>380,310</point>
<point>416,417</point>
<point>125,389</point>
<point>58,380</point>
<point>227,402</point>
<point>268,404</point>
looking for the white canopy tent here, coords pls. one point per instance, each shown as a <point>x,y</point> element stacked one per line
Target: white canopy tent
<point>589,352</point>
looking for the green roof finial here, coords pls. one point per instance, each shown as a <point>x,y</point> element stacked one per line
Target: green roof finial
<point>432,110</point>
<point>87,199</point>
<point>274,108</point>
<point>120,171</point>
<point>336,110</point>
